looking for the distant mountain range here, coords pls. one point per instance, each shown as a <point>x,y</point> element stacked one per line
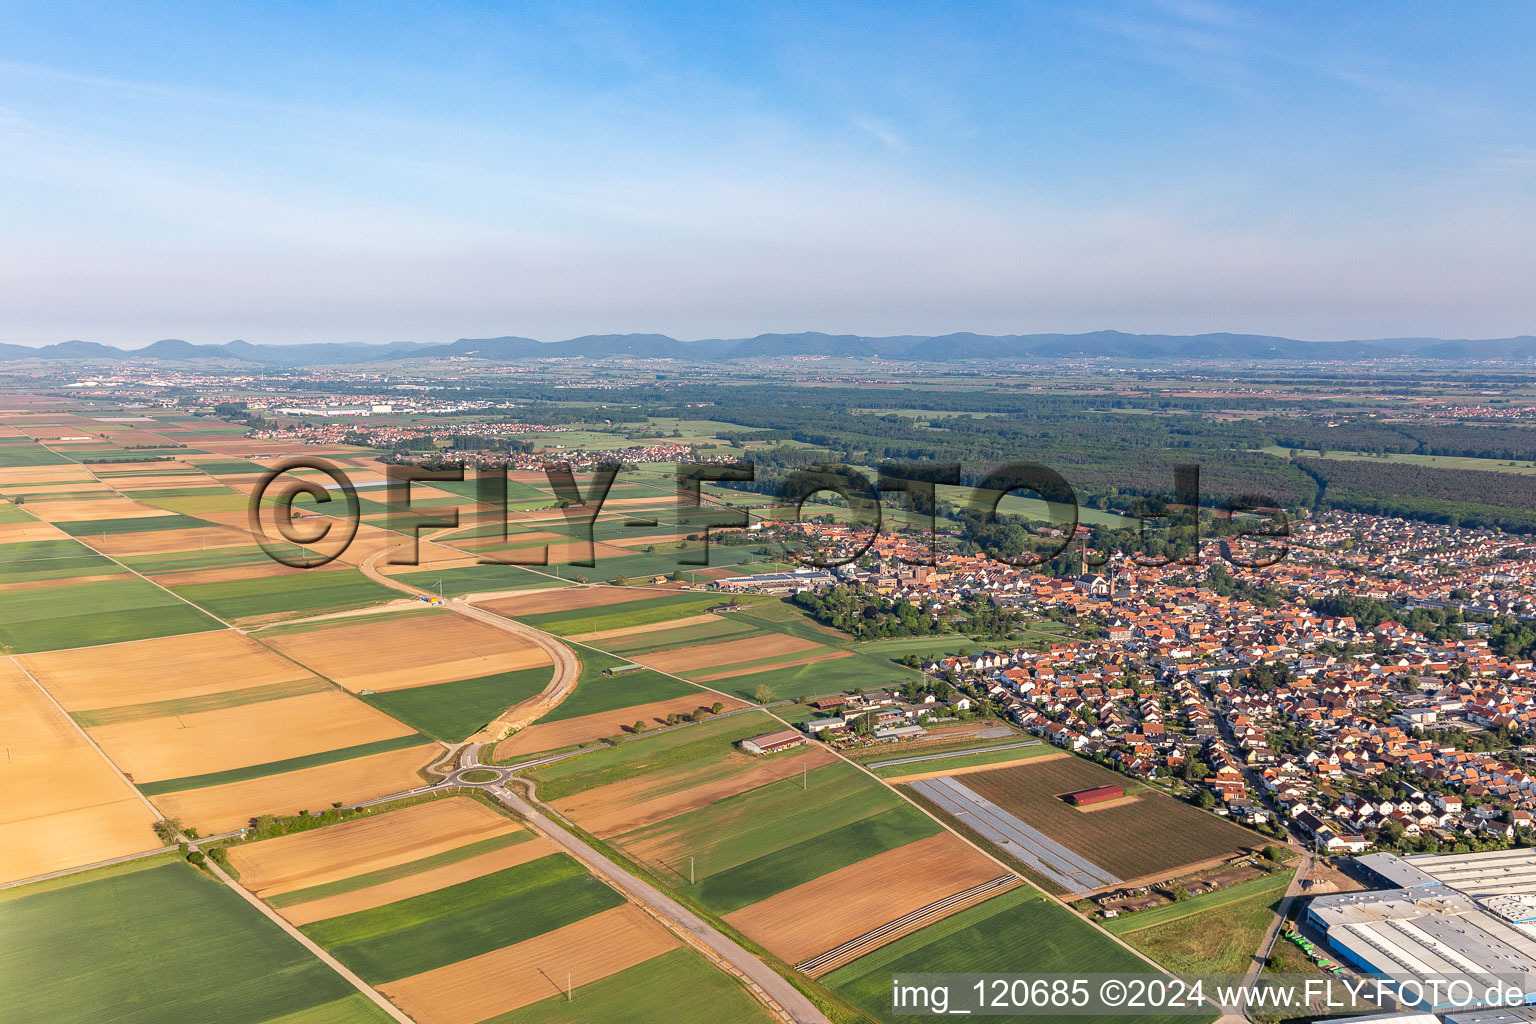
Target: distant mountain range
<point>948,348</point>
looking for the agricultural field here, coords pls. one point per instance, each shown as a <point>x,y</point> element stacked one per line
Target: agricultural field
<point>249,602</point>
<point>65,613</point>
<point>155,941</point>
<point>61,804</point>
<point>1146,835</point>
<point>235,713</point>
<point>608,705</point>
<point>456,710</point>
<point>1018,932</point>
<point>764,841</point>
<point>1215,935</point>
<point>459,915</point>
<point>405,649</point>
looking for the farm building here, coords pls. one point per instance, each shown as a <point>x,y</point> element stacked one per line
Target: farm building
<point>769,742</point>
<point>1095,795</point>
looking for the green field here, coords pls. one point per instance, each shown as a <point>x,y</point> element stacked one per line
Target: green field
<point>811,858</point>
<point>1222,939</point>
<point>709,740</point>
<point>67,615</point>
<point>28,561</point>
<point>749,833</point>
<point>677,987</point>
<point>161,943</point>
<point>596,692</point>
<point>330,590</point>
<point>390,874</point>
<point>27,454</point>
<point>1018,932</point>
<point>448,925</point>
<point>797,681</point>
<point>479,579</point>
<point>1271,885</point>
<point>139,524</point>
<point>291,764</point>
<point>453,711</point>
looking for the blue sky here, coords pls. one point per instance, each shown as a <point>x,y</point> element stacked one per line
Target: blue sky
<point>295,172</point>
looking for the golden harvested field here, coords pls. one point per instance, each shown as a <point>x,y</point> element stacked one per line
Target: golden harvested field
<point>85,509</point>
<point>136,672</point>
<point>362,845</point>
<point>795,924</point>
<point>566,599</point>
<point>809,659</point>
<point>159,542</point>
<point>650,627</point>
<point>14,533</point>
<point>504,979</point>
<point>640,542</point>
<point>414,885</point>
<point>45,474</point>
<point>222,808</point>
<point>61,804</point>
<point>402,651</point>
<point>621,806</point>
<point>83,486</point>
<point>696,656</point>
<point>177,746</point>
<point>586,728</point>
<point>371,539</point>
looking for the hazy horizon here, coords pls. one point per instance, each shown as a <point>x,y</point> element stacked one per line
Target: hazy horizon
<point>291,173</point>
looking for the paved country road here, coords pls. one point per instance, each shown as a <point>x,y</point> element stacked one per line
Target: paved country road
<point>791,999</point>
<point>567,665</point>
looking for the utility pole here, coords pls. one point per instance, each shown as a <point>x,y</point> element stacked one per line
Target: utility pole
<point>569,994</point>
<point>805,777</point>
<point>690,870</point>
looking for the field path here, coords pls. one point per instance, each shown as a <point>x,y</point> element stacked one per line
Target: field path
<point>567,665</point>
<point>767,981</point>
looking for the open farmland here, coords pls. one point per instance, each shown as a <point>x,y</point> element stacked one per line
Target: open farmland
<point>765,841</point>
<point>405,649</point>
<point>218,806</point>
<point>65,614</point>
<point>1018,932</point>
<point>459,915</point>
<point>116,680</point>
<point>158,941</point>
<point>61,804</point>
<point>1150,836</point>
<point>607,705</point>
<point>456,710</point>
<point>867,893</point>
<point>273,598</point>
